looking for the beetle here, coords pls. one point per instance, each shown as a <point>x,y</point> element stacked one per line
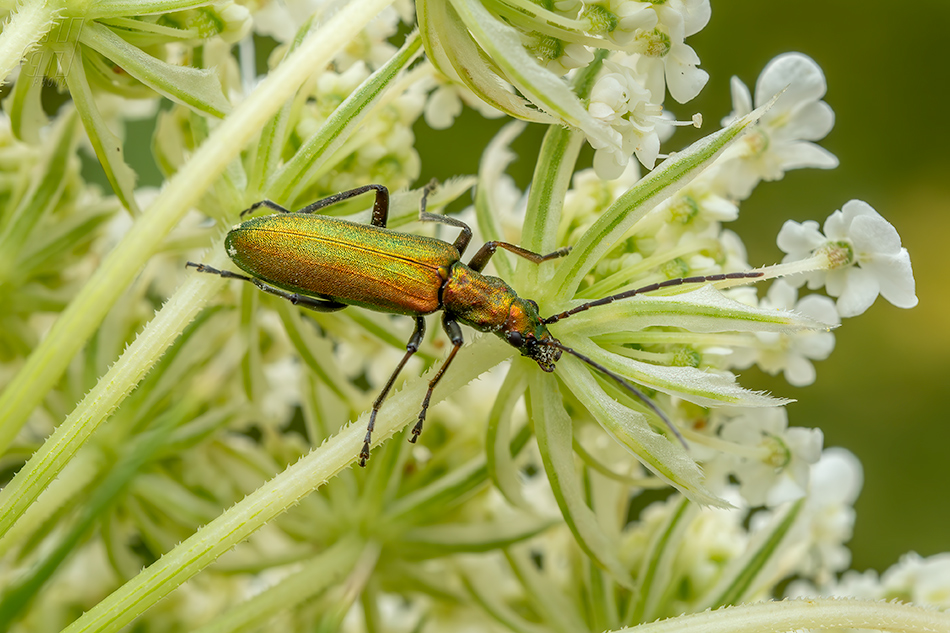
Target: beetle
<point>326,264</point>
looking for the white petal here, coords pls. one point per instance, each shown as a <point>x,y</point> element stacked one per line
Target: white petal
<point>816,345</point>
<point>741,100</point>
<point>606,164</point>
<point>799,372</point>
<point>819,308</point>
<point>442,108</point>
<point>811,122</point>
<point>801,154</point>
<point>647,150</point>
<point>799,72</point>
<point>872,235</point>
<point>845,217</point>
<point>721,209</point>
<point>806,443</point>
<point>837,477</point>
<point>836,281</point>
<point>781,295</point>
<point>837,227</point>
<point>697,17</point>
<point>861,291</point>
<point>685,81</point>
<point>896,278</point>
<point>799,239</point>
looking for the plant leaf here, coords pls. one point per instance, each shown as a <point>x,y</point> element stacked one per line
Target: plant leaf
<point>668,460</point>
<point>553,428</point>
<point>441,540</point>
<point>196,88</point>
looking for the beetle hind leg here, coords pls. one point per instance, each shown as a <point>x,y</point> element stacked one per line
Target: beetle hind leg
<point>312,303</point>
<point>411,348</point>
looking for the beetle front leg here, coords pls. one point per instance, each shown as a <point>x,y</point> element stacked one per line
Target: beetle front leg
<point>411,348</point>
<point>480,260</point>
<point>273,206</point>
<point>312,303</point>
<point>452,328</point>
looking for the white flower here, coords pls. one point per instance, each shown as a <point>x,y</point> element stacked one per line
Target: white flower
<point>666,60</point>
<point>828,516</point>
<point>620,100</point>
<point>779,471</point>
<point>792,353</point>
<point>618,20</point>
<point>922,581</point>
<point>445,103</point>
<point>864,254</point>
<point>781,141</point>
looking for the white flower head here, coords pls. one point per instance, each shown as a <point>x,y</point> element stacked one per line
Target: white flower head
<point>792,353</point>
<point>620,100</point>
<point>782,139</point>
<point>864,258</point>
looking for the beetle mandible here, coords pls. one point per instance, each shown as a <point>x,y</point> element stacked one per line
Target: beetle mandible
<point>326,264</point>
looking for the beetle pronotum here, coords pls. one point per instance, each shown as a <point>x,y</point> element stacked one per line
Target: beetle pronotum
<point>326,264</point>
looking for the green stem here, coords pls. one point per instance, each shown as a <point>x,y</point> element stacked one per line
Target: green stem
<point>76,324</point>
<point>30,22</point>
<point>811,613</point>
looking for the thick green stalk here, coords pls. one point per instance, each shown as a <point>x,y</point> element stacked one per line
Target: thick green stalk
<point>31,21</point>
<point>76,324</point>
<point>812,613</point>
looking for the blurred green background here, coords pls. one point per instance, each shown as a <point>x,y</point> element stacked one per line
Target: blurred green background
<point>879,394</point>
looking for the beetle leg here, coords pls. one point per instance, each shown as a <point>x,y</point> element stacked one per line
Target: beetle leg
<point>380,207</point>
<point>317,305</point>
<point>273,206</point>
<point>452,328</point>
<point>480,260</point>
<point>411,348</point>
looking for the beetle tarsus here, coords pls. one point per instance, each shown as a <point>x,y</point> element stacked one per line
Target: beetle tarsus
<point>364,453</point>
<point>417,429</point>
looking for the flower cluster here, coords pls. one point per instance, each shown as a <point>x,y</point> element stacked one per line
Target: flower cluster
<point>625,112</point>
<point>154,442</point>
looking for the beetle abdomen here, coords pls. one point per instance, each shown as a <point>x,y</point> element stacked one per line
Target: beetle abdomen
<point>351,263</point>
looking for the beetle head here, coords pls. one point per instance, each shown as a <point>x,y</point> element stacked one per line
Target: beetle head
<point>525,332</point>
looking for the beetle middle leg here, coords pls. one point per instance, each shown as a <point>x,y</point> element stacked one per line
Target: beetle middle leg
<point>411,348</point>
<point>313,303</point>
<point>380,206</point>
<point>451,327</point>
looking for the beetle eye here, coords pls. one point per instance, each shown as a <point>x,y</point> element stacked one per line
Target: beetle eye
<point>515,339</point>
<point>534,303</point>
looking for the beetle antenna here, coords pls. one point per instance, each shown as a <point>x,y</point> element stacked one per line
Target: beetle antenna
<point>620,380</point>
<point>663,284</point>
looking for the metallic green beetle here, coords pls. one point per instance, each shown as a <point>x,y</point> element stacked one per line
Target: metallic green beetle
<point>326,264</point>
